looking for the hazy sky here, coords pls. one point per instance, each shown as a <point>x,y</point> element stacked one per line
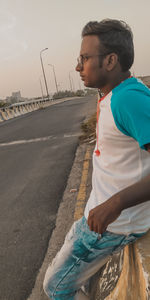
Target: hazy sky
<point>28,26</point>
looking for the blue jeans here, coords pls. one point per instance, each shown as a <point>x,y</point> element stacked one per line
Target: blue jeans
<point>82,255</point>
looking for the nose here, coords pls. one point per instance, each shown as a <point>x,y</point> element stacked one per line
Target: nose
<point>78,67</point>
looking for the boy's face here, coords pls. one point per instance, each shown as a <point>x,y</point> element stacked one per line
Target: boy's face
<point>91,65</point>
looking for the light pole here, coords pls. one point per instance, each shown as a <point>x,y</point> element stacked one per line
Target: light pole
<point>79,85</point>
<point>71,81</point>
<point>59,84</point>
<point>77,76</point>
<point>44,71</point>
<point>41,88</point>
<point>54,77</point>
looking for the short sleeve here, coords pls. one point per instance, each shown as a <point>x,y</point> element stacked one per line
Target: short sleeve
<point>131,112</point>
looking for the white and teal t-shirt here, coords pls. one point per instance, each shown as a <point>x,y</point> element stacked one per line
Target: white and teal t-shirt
<point>124,129</point>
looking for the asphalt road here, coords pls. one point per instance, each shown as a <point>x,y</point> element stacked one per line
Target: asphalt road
<point>36,154</point>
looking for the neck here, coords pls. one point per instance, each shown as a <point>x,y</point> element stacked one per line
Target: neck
<point>114,81</point>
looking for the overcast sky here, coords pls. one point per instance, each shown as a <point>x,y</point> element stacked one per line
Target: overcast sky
<point>28,26</point>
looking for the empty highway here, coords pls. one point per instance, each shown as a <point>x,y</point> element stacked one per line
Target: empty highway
<point>36,155</point>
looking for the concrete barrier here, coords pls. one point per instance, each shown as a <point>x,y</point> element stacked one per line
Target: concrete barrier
<point>35,106</point>
<point>26,108</point>
<point>12,113</point>
<point>1,117</point>
<point>18,112</point>
<point>9,113</point>
<point>25,111</point>
<point>29,108</point>
<point>132,279</point>
<point>4,115</point>
<point>22,108</point>
<point>32,106</point>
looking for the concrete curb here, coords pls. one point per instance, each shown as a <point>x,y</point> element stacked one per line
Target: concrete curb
<point>134,281</point>
<point>121,290</point>
<point>142,254</point>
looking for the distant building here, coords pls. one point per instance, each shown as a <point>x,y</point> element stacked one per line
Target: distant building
<point>15,98</point>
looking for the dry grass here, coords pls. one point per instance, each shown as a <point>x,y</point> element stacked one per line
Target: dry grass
<point>88,129</point>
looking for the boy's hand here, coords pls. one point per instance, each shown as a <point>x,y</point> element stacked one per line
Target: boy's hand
<point>104,214</point>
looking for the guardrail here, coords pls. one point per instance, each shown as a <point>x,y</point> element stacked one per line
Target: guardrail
<point>21,108</point>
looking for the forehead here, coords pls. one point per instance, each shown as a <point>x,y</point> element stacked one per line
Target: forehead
<point>90,44</point>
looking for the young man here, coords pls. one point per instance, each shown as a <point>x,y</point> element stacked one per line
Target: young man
<point>118,209</point>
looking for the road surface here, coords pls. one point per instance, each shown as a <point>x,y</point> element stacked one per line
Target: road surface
<point>36,155</point>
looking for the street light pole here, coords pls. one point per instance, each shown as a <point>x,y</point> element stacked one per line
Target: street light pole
<point>41,88</point>
<point>73,84</point>
<point>70,81</point>
<point>44,71</point>
<point>54,77</point>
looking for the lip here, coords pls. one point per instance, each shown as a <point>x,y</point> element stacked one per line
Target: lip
<point>82,77</point>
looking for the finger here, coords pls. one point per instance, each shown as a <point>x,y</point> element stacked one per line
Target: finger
<point>91,225</point>
<point>99,229</point>
<point>95,228</point>
<point>103,229</point>
<point>89,221</point>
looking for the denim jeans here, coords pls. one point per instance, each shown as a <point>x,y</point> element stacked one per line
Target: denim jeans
<point>81,256</point>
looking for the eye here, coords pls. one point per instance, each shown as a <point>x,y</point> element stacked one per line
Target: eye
<point>85,58</point>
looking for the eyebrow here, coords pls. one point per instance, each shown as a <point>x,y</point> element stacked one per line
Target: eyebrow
<point>83,54</point>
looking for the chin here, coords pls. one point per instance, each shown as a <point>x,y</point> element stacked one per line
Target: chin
<point>87,84</point>
<point>90,85</point>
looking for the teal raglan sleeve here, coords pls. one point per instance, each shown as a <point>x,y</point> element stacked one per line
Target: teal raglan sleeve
<point>131,112</point>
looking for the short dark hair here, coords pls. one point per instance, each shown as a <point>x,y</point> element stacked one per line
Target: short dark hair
<point>116,36</point>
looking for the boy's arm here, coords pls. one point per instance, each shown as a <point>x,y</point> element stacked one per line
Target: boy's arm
<point>104,214</point>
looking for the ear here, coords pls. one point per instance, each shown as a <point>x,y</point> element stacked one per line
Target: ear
<point>111,61</point>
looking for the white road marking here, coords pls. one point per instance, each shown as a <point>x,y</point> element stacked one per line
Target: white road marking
<point>43,139</point>
<point>27,141</point>
<point>71,135</point>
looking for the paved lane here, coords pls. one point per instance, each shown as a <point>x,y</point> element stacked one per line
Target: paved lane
<point>36,155</point>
